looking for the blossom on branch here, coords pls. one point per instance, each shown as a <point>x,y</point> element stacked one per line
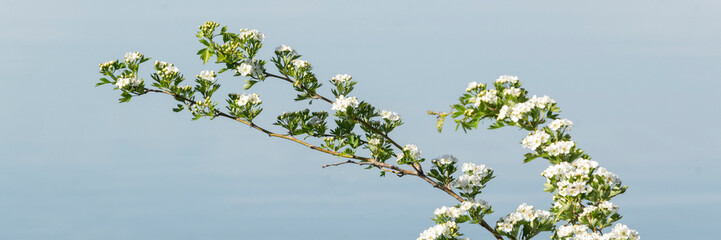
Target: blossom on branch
<point>341,103</point>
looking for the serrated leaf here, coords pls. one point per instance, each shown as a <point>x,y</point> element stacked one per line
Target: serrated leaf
<point>204,42</point>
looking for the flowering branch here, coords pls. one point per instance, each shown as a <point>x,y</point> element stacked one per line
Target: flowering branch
<point>581,188</point>
<point>318,96</point>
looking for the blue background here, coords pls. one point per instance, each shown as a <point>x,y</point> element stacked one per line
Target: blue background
<point>638,78</point>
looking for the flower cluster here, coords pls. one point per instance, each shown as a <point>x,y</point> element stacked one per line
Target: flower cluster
<point>446,213</point>
<point>251,68</point>
<point>608,177</point>
<point>390,116</point>
<point>447,230</point>
<point>507,79</point>
<point>132,57</point>
<point>487,96</point>
<point>570,178</point>
<point>560,147</point>
<point>449,212</point>
<point>341,103</point>
<point>558,123</point>
<point>516,111</point>
<point>207,28</point>
<point>107,66</point>
<point>285,49</point>
<point>535,139</point>
<point>581,232</point>
<point>474,177</point>
<point>605,206</point>
<point>622,232</point>
<point>207,75</point>
<point>446,160</point>
<point>248,98</point>
<point>300,63</point>
<point>246,34</point>
<point>166,70</point>
<point>474,85</point>
<point>512,91</point>
<point>412,150</point>
<point>468,205</point>
<point>128,81</point>
<point>524,215</point>
<point>342,78</point>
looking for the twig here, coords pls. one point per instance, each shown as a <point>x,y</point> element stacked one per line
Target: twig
<point>363,160</point>
<point>338,164</point>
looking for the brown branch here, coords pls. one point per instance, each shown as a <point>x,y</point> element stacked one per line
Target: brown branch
<point>363,160</point>
<point>396,172</point>
<point>315,95</point>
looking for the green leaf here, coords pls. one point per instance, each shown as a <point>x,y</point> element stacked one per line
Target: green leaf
<point>530,157</point>
<point>204,42</point>
<point>205,54</point>
<point>179,108</point>
<point>125,97</point>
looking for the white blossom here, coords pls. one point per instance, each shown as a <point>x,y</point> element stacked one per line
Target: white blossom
<point>504,112</point>
<point>468,205</point>
<point>446,160</point>
<point>474,85</point>
<point>584,166</point>
<point>561,147</point>
<point>519,109</point>
<point>391,116</point>
<point>452,212</point>
<point>535,139</point>
<point>561,170</point>
<point>505,226</point>
<point>611,178</point>
<point>374,141</point>
<point>342,78</point>
<point>247,34</point>
<point>588,209</point>
<point>542,214</point>
<point>472,177</point>
<point>480,170</point>
<point>507,79</point>
<point>558,123</point>
<point>245,69</point>
<point>512,91</point>
<point>413,150</point>
<point>467,182</point>
<point>540,102</point>
<point>207,75</point>
<point>444,229</point>
<point>166,69</point>
<point>488,96</point>
<point>526,212</point>
<point>341,103</point>
<point>127,81</point>
<point>300,63</point>
<point>573,189</point>
<point>248,98</point>
<point>609,206</point>
<point>622,232</point>
<point>564,231</point>
<point>169,69</point>
<point>284,48</point>
<point>132,56</point>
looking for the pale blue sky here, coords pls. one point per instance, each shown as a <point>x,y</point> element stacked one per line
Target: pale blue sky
<point>638,78</point>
